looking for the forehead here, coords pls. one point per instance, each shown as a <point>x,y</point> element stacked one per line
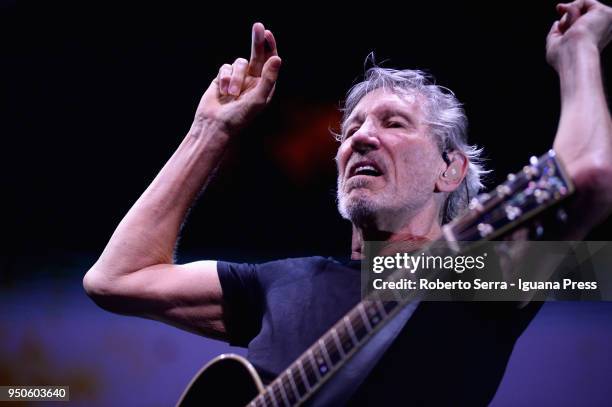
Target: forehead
<point>384,101</point>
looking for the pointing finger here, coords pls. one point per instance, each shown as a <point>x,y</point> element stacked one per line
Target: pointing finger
<point>258,59</point>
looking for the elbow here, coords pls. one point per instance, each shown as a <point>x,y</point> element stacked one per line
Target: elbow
<point>604,186</point>
<point>593,201</point>
<point>593,183</point>
<point>100,289</point>
<point>93,283</point>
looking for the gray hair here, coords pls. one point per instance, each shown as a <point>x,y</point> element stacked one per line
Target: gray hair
<point>446,119</point>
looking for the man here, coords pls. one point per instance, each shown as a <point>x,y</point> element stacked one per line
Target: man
<point>404,168</point>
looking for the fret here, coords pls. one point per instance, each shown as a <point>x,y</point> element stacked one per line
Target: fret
<point>293,385</point>
<point>310,370</point>
<point>358,324</point>
<point>375,299</point>
<point>286,385</point>
<point>345,337</point>
<point>269,400</point>
<point>258,402</point>
<point>319,358</point>
<point>303,374</point>
<point>381,309</point>
<point>364,316</point>
<point>372,313</point>
<point>324,353</point>
<point>279,395</point>
<point>349,327</point>
<point>298,381</point>
<point>336,337</point>
<point>332,350</point>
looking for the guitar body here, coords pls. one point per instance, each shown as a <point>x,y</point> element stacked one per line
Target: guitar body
<point>227,380</point>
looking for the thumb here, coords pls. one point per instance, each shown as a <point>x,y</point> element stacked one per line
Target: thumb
<point>269,75</point>
<point>554,30</point>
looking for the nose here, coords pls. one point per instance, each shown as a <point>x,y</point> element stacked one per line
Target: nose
<point>365,139</point>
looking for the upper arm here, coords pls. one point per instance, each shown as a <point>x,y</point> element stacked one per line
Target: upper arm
<point>188,296</point>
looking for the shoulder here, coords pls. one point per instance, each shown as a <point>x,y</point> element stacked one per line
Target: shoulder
<point>299,263</point>
<point>278,271</point>
<point>293,268</point>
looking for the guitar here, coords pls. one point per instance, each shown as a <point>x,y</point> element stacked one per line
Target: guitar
<point>520,202</point>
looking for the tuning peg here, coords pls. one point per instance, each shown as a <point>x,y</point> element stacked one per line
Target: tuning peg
<point>512,212</point>
<point>476,205</point>
<point>484,229</point>
<point>503,190</point>
<point>541,195</point>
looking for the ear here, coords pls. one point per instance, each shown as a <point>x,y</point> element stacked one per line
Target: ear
<point>454,173</point>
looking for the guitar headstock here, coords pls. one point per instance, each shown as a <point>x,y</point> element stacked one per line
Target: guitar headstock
<point>540,185</point>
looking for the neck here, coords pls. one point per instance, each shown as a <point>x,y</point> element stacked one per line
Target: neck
<point>418,230</point>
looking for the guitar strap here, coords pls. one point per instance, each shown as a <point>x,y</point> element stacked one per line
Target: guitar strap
<point>341,386</point>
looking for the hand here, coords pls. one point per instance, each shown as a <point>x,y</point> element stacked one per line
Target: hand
<point>242,89</point>
<point>583,23</point>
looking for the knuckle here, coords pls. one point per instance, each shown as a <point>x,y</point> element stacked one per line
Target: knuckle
<point>240,61</point>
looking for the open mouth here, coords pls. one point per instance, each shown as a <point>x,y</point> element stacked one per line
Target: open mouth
<point>368,168</point>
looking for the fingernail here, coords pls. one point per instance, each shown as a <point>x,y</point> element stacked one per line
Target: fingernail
<point>233,90</point>
<point>254,32</point>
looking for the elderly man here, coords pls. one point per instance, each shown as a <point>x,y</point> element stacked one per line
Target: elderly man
<point>404,169</point>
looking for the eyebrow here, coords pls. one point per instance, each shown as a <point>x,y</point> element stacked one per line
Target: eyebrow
<point>388,110</point>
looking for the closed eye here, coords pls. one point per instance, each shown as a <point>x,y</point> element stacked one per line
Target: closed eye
<point>395,124</point>
<point>350,132</point>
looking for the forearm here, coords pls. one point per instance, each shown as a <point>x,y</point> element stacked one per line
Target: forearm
<point>585,118</point>
<point>147,234</point>
<point>584,136</point>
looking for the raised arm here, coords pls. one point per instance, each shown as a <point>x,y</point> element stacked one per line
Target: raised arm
<point>584,136</point>
<point>135,273</point>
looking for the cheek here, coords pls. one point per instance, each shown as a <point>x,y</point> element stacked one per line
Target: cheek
<point>341,159</point>
<point>416,167</point>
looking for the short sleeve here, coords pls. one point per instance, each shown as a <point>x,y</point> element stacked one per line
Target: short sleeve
<point>243,301</point>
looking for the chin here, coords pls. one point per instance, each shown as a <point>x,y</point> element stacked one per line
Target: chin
<point>357,207</point>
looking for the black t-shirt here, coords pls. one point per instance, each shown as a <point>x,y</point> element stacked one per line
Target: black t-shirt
<point>449,353</point>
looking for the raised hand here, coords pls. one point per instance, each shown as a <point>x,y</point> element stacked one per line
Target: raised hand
<point>583,23</point>
<point>244,88</point>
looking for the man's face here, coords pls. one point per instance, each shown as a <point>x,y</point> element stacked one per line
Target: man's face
<point>387,162</point>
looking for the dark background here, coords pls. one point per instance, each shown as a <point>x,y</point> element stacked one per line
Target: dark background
<point>101,95</point>
<point>108,93</point>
